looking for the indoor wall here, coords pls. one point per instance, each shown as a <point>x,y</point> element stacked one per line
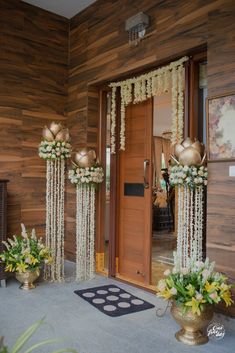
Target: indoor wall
<point>33,91</point>
<point>99,52</point>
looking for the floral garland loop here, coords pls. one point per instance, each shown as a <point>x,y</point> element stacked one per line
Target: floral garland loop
<point>138,89</point>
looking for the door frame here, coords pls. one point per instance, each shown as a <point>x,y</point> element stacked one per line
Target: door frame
<point>190,129</point>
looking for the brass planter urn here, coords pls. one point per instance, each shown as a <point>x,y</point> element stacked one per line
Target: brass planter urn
<point>192,324</point>
<point>28,278</point>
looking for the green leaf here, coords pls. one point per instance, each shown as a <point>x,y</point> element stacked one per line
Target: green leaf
<point>39,344</point>
<point>25,336</point>
<point>65,350</point>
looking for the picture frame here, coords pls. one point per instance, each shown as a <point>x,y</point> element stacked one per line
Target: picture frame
<point>220,112</point>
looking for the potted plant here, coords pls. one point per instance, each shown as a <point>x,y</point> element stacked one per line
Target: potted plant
<point>24,255</point>
<point>194,291</point>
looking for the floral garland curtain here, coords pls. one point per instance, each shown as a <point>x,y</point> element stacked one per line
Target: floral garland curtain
<point>138,89</point>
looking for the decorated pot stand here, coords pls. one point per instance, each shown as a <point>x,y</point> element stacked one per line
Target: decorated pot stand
<point>55,148</point>
<point>85,175</point>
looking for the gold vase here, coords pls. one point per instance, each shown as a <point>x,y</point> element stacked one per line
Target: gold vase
<point>27,278</point>
<point>193,325</point>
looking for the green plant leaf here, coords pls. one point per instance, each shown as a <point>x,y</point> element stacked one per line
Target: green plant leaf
<point>65,350</point>
<point>25,336</point>
<point>39,344</point>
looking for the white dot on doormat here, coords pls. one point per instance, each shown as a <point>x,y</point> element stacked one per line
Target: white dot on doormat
<point>112,298</point>
<point>98,301</point>
<point>137,302</point>
<point>109,308</point>
<point>102,291</point>
<point>88,295</point>
<point>124,305</point>
<point>114,290</point>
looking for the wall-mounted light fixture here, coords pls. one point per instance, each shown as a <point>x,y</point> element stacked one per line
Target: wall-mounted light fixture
<point>136,27</point>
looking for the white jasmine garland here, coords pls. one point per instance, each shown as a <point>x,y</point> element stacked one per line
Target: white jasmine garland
<point>189,183</point>
<point>85,180</point>
<point>146,86</point>
<point>54,150</point>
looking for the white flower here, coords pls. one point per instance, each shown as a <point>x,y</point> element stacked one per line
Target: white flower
<point>161,285</point>
<point>173,291</point>
<point>184,271</point>
<point>24,232</point>
<point>199,296</point>
<point>167,272</point>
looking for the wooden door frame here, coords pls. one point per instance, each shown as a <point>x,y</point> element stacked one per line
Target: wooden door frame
<point>190,129</point>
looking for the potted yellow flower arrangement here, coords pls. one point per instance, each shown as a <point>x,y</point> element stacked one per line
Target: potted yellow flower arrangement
<point>24,255</point>
<point>194,291</point>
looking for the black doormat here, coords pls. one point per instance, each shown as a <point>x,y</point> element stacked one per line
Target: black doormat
<point>113,301</point>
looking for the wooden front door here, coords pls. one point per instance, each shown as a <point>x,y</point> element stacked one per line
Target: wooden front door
<point>135,195</point>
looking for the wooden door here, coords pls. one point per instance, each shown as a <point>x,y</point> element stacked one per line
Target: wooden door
<point>135,199</point>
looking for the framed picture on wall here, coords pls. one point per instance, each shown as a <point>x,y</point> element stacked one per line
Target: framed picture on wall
<point>221,127</point>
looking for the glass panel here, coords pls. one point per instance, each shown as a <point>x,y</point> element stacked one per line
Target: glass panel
<point>163,208</point>
<point>107,184</point>
<point>202,102</point>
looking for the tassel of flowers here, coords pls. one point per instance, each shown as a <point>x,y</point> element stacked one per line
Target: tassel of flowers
<point>190,181</point>
<point>85,179</point>
<point>138,89</point>
<point>55,148</point>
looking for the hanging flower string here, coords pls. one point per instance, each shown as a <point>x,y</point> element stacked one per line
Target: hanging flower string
<point>85,175</point>
<point>55,149</point>
<point>138,89</point>
<point>190,178</point>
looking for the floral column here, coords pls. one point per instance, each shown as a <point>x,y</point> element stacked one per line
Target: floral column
<point>86,175</point>
<point>190,177</point>
<point>55,149</point>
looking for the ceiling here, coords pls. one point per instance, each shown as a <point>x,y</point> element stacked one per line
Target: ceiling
<point>66,8</point>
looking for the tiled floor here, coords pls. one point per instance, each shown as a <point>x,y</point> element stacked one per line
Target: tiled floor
<point>83,327</point>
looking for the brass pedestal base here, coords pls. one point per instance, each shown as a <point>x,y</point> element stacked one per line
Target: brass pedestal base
<point>191,338</point>
<point>27,278</point>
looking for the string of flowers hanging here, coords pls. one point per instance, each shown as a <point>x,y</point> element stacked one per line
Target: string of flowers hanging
<point>55,149</point>
<point>138,89</point>
<point>86,174</point>
<point>189,175</point>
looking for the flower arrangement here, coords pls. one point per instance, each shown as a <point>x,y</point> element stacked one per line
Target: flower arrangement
<point>193,176</point>
<point>54,150</point>
<point>86,175</point>
<point>24,253</point>
<point>194,286</point>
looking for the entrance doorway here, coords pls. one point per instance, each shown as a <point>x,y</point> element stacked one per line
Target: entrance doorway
<point>139,234</point>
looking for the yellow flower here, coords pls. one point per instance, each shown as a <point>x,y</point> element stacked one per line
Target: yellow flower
<point>166,294</point>
<point>224,287</point>
<point>226,296</point>
<point>34,261</point>
<point>49,260</point>
<point>211,287</point>
<point>195,305</point>
<point>21,267</point>
<point>9,268</point>
<point>191,289</point>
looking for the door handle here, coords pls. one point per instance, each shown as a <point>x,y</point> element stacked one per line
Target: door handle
<point>146,164</point>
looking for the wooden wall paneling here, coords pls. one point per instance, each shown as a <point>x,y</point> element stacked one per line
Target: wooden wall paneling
<point>33,92</point>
